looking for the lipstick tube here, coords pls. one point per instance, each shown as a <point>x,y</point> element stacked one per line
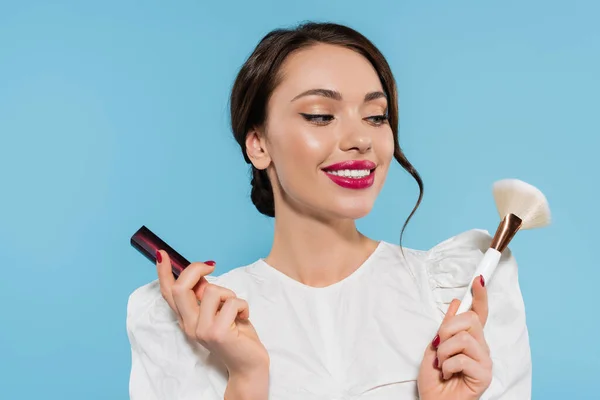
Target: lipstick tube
<point>147,243</point>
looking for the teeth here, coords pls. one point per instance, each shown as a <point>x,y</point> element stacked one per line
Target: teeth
<point>351,173</point>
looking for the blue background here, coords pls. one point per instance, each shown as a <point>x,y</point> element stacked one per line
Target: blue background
<point>114,114</point>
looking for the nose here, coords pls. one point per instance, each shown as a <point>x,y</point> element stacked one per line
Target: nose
<point>356,138</point>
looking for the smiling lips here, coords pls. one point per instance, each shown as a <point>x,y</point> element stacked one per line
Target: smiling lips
<point>356,174</point>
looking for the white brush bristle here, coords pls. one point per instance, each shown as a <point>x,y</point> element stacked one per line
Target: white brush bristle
<point>527,202</point>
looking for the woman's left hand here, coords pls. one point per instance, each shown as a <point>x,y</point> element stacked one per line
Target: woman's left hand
<point>457,363</point>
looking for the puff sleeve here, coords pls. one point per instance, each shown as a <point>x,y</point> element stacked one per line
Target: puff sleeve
<point>164,364</point>
<point>450,267</point>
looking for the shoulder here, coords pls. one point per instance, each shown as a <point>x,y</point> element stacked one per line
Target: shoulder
<point>469,244</point>
<point>164,363</point>
<point>445,270</point>
<point>451,265</point>
<point>148,298</point>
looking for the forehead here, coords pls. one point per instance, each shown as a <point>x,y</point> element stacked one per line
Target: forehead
<point>325,66</point>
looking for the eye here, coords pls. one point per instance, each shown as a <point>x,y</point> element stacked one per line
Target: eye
<point>318,119</point>
<point>377,120</point>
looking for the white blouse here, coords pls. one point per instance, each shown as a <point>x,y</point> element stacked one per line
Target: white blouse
<point>361,338</point>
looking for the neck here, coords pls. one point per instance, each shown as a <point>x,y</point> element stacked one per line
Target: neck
<point>315,252</point>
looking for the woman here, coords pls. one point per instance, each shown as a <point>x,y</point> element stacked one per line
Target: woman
<point>329,313</point>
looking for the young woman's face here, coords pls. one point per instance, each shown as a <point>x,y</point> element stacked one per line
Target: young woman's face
<point>327,137</point>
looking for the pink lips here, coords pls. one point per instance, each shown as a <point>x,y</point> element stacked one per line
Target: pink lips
<point>352,183</point>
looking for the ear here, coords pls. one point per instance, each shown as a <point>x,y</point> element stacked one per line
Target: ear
<point>256,148</point>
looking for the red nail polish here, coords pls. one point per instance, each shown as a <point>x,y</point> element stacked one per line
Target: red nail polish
<point>158,256</point>
<point>210,262</point>
<point>482,280</point>
<point>435,363</point>
<point>436,341</point>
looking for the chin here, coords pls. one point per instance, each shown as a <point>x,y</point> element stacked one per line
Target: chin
<point>352,208</point>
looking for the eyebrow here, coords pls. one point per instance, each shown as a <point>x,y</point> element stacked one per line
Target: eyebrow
<point>332,94</point>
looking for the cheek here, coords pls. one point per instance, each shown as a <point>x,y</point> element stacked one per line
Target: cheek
<point>385,147</point>
<point>300,150</point>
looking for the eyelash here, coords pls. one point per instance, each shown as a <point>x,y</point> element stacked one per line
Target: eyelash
<point>376,120</point>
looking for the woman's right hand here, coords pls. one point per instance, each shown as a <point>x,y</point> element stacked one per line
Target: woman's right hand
<point>217,319</point>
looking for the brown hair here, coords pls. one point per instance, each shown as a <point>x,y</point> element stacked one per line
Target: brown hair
<point>259,76</point>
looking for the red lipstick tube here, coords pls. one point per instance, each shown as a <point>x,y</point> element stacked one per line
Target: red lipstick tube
<point>147,243</point>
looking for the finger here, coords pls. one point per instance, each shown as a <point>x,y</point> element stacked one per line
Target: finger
<point>480,300</point>
<point>462,343</point>
<point>200,286</point>
<point>466,365</point>
<point>211,301</point>
<point>194,275</point>
<point>165,277</point>
<point>184,295</point>
<point>450,313</point>
<point>467,321</point>
<point>452,309</point>
<point>232,309</point>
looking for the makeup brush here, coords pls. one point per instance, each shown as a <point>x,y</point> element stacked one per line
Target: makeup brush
<point>521,206</point>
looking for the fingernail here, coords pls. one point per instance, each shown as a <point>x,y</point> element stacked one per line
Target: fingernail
<point>482,280</point>
<point>158,256</point>
<point>435,363</point>
<point>436,341</point>
<point>210,262</point>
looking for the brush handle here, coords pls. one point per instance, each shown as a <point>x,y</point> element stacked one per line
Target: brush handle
<point>486,267</point>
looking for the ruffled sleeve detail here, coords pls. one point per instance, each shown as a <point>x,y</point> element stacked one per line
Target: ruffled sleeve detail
<point>164,364</point>
<point>450,266</point>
